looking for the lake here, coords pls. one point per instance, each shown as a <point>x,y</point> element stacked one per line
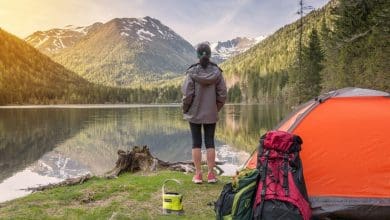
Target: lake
<point>47,144</point>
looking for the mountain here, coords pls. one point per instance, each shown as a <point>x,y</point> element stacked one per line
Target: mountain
<point>28,75</point>
<point>55,40</point>
<point>126,51</point>
<point>223,50</point>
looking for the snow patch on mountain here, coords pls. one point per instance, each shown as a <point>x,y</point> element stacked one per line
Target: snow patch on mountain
<point>223,50</point>
<point>260,38</point>
<point>54,40</point>
<point>142,34</point>
<point>40,40</point>
<point>146,28</point>
<point>80,29</point>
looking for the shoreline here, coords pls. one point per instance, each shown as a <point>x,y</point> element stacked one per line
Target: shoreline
<point>85,106</point>
<point>122,197</point>
<point>97,106</point>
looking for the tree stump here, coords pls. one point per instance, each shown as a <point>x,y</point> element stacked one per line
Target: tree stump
<point>140,159</point>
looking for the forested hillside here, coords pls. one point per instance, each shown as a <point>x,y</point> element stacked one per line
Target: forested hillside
<point>29,77</point>
<point>345,43</point>
<point>358,50</point>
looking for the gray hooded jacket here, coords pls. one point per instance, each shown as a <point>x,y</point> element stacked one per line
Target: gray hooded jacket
<point>204,94</point>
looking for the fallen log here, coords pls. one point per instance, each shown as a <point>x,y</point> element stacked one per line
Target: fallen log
<point>138,159</point>
<point>67,182</point>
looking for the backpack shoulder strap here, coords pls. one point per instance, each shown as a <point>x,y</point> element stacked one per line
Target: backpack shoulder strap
<point>214,64</point>
<point>285,174</point>
<point>193,65</point>
<point>263,178</point>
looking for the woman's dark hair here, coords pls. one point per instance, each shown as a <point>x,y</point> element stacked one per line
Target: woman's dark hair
<point>204,53</point>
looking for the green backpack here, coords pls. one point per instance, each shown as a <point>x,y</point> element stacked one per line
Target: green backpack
<point>236,198</point>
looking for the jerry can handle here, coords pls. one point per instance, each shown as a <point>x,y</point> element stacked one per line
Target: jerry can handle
<point>167,180</point>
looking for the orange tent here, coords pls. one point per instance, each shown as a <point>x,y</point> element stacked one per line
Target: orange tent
<point>345,152</point>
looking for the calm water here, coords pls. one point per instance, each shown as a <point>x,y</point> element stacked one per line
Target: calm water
<point>40,145</point>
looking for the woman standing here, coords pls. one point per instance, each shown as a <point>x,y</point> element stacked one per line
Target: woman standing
<point>204,94</point>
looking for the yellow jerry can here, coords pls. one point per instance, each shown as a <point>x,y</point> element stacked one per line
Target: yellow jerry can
<point>172,201</point>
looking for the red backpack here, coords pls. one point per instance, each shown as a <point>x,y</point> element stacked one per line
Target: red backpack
<point>281,191</point>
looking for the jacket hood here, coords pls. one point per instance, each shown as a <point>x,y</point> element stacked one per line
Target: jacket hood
<point>206,76</point>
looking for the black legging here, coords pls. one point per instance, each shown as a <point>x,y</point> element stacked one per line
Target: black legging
<point>208,131</point>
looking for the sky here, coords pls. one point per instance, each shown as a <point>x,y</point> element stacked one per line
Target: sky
<point>195,20</point>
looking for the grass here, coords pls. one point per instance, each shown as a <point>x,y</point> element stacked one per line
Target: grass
<point>130,196</point>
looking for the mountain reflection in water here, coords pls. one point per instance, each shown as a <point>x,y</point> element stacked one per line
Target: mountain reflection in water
<point>45,145</point>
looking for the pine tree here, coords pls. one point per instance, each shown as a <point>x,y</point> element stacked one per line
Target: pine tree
<point>313,56</point>
<point>305,79</point>
<point>234,94</point>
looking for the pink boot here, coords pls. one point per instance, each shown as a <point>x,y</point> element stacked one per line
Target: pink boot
<point>211,178</point>
<point>197,178</point>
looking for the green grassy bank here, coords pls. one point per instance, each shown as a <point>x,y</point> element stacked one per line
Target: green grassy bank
<point>130,196</point>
